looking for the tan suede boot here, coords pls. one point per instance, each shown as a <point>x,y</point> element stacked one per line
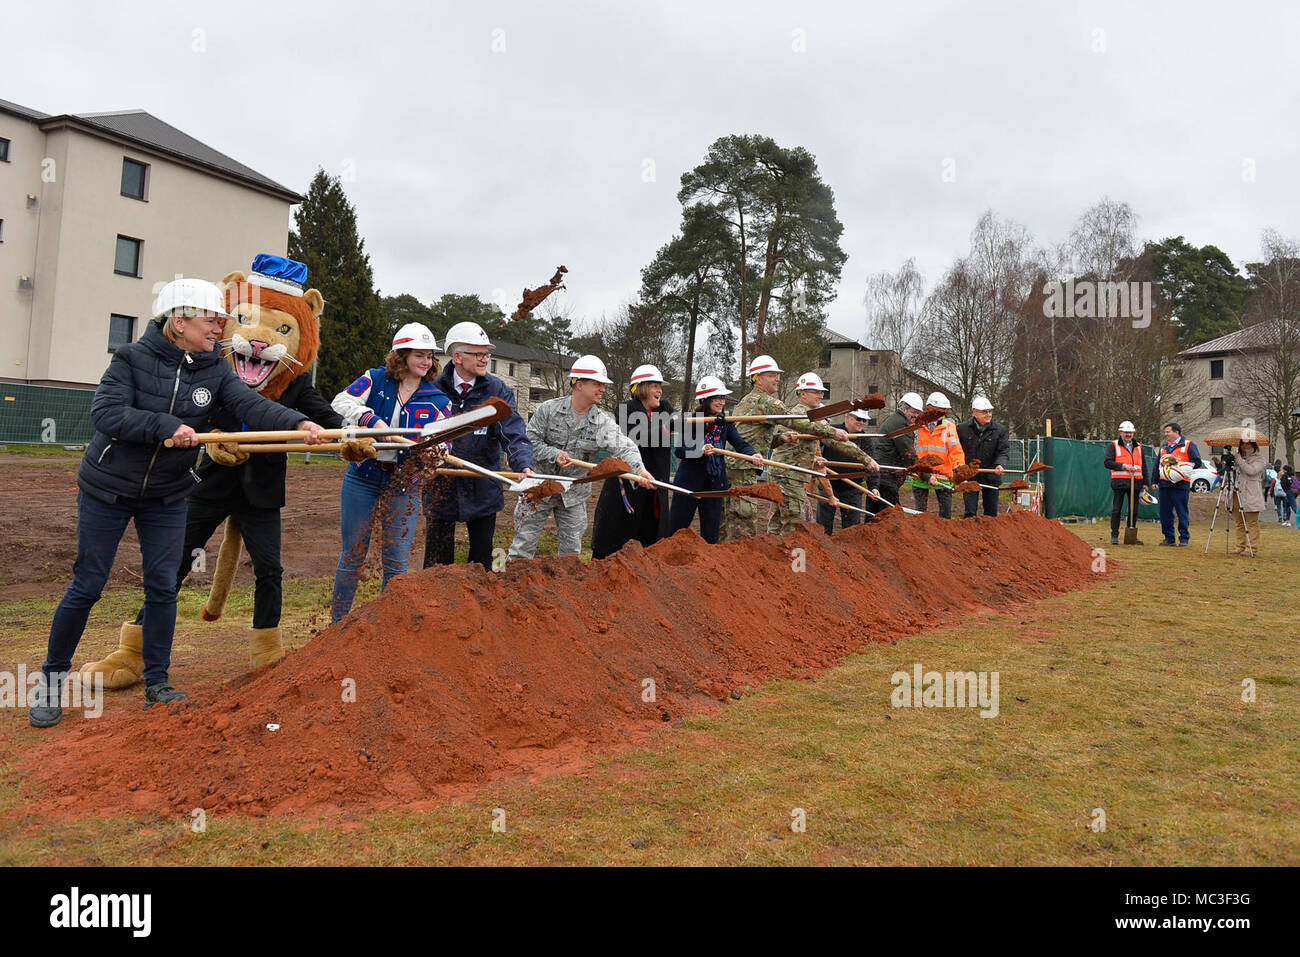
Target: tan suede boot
<point>266,646</point>
<point>122,668</point>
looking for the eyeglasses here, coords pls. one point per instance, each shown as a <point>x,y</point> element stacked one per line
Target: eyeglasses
<point>477,356</point>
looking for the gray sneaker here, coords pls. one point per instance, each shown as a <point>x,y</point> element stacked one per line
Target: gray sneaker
<point>46,711</point>
<point>162,693</point>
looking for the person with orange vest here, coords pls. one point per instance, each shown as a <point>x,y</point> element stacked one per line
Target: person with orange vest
<point>1125,464</point>
<point>1171,468</point>
<point>937,438</point>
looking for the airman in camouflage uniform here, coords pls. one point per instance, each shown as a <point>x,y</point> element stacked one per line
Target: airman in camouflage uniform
<point>558,433</point>
<point>803,452</point>
<point>740,515</point>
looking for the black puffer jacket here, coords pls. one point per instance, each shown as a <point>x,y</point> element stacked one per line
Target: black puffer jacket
<point>151,388</point>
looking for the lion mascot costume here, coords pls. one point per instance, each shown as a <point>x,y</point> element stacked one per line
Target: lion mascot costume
<point>271,343</point>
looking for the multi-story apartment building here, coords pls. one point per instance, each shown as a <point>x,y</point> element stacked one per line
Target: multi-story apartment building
<point>97,211</point>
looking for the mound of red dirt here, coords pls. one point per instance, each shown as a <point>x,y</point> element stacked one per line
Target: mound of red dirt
<point>455,675</point>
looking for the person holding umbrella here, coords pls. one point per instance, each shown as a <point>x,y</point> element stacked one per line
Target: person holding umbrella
<point>1125,464</point>
<point>1250,494</point>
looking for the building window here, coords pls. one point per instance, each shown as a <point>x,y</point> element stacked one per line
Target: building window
<point>134,177</point>
<point>1216,408</point>
<point>494,369</point>
<point>512,372</point>
<point>4,150</point>
<point>1216,368</point>
<point>872,389</point>
<point>2,230</point>
<point>121,331</point>
<point>126,262</point>
<point>1178,408</point>
<point>872,360</point>
<point>1178,373</point>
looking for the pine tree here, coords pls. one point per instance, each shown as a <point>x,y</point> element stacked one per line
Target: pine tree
<point>354,334</point>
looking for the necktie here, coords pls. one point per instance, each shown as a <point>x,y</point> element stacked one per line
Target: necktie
<point>464,389</point>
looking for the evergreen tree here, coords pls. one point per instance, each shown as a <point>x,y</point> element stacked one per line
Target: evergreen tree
<point>399,310</point>
<point>354,334</point>
<point>1200,288</point>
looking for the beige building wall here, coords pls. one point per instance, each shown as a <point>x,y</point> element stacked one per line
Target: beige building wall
<point>1191,398</point>
<point>19,177</point>
<point>192,223</point>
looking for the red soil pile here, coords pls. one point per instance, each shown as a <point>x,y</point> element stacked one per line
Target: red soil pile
<point>538,492</point>
<point>768,490</point>
<point>967,487</point>
<point>1017,485</point>
<point>455,676</point>
<point>926,463</point>
<point>606,468</point>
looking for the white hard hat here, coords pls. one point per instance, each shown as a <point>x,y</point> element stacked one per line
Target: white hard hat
<point>763,364</point>
<point>414,335</point>
<point>938,400</point>
<point>809,380</point>
<point>465,334</point>
<point>646,373</point>
<point>981,404</point>
<point>1126,426</point>
<point>191,294</point>
<point>912,399</point>
<point>589,367</point>
<point>862,414</point>
<point>711,387</point>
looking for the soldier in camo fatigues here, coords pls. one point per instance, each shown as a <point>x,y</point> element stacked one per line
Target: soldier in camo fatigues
<point>809,390</point>
<point>558,431</point>
<point>740,516</point>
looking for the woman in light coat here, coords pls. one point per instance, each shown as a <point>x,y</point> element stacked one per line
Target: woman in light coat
<point>1250,493</point>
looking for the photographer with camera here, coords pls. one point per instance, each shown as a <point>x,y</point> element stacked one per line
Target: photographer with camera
<point>1250,494</point>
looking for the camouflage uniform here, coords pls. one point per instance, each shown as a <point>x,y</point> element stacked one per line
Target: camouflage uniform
<point>802,453</point>
<point>554,428</point>
<point>740,515</point>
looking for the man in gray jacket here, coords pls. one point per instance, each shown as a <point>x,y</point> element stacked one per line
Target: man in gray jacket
<point>561,430</point>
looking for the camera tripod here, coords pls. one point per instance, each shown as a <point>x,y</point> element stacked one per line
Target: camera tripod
<point>1228,489</point>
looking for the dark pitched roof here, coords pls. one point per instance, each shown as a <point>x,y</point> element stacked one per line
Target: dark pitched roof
<point>1262,335</point>
<point>150,134</point>
<point>509,350</point>
<point>16,110</point>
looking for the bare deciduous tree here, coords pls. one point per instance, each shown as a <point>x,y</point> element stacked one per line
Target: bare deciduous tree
<point>1270,378</point>
<point>894,302</point>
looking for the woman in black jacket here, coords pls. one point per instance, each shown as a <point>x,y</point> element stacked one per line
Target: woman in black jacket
<point>625,511</point>
<point>163,387</point>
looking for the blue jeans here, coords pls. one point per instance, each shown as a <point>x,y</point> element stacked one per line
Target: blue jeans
<point>1174,500</point>
<point>100,526</point>
<point>1290,506</point>
<point>358,497</point>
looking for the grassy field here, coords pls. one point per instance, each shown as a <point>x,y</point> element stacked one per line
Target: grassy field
<point>1126,697</point>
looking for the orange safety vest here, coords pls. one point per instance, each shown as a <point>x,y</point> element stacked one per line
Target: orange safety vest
<point>941,441</point>
<point>1124,457</point>
<point>1179,451</point>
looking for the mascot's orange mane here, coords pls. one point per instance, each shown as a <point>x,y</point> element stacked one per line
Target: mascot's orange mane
<point>301,310</point>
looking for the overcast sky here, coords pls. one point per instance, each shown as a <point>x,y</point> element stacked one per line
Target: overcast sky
<point>490,142</point>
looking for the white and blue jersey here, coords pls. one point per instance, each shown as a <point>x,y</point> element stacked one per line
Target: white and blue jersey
<point>372,398</point>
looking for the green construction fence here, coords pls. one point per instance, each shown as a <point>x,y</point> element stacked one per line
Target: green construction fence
<point>46,415</point>
<point>1078,484</point>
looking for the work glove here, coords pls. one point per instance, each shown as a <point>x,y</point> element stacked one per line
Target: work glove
<point>226,453</point>
<point>358,450</point>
